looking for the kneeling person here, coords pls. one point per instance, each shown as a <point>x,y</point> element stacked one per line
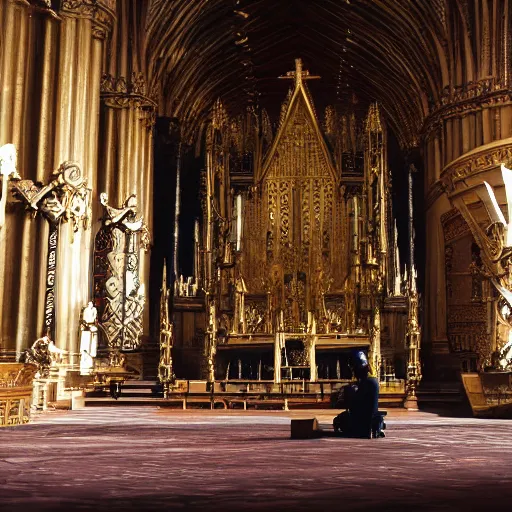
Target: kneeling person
<point>362,400</point>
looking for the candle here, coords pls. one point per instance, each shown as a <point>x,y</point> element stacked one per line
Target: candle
<point>238,222</point>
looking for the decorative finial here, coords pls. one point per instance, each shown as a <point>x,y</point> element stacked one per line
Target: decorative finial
<point>299,74</point>
<point>298,70</point>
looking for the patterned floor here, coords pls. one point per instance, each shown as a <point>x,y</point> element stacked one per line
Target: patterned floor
<point>136,459</point>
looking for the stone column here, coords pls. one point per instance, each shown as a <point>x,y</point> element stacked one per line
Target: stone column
<point>19,241</point>
<point>467,146</point>
<point>127,118</point>
<point>49,99</point>
<point>83,29</point>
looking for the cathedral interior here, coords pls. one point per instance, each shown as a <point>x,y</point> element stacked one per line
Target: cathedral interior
<point>213,203</point>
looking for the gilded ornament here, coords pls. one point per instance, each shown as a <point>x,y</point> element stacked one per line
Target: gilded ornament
<point>286,281</point>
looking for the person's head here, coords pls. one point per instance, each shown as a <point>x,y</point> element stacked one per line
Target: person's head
<point>360,364</point>
<point>361,372</point>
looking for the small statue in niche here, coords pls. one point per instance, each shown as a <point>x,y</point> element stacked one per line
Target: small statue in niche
<point>270,245</point>
<point>255,318</point>
<point>326,242</point>
<point>318,285</point>
<point>276,293</point>
<point>178,287</point>
<point>88,339</point>
<point>240,290</point>
<point>224,328</point>
<point>335,318</point>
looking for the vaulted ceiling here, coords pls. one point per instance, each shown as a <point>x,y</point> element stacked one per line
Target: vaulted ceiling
<point>402,53</point>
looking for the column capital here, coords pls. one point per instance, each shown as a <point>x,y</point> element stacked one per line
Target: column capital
<point>123,92</point>
<point>458,102</point>
<point>481,158</point>
<point>101,12</point>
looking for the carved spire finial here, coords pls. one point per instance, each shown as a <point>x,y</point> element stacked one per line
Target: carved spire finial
<point>299,74</point>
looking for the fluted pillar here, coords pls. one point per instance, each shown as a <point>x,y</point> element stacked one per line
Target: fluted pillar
<point>435,344</point>
<point>18,238</point>
<point>475,134</point>
<point>127,118</point>
<point>76,134</point>
<point>49,99</point>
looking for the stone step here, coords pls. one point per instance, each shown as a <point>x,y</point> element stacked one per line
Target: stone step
<point>137,389</point>
<point>441,392</point>
<point>140,384</point>
<point>138,397</point>
<point>440,399</point>
<point>124,401</point>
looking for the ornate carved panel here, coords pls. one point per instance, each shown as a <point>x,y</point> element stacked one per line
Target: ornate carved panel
<point>454,225</point>
<point>298,201</point>
<point>256,315</point>
<point>119,294</point>
<point>467,312</point>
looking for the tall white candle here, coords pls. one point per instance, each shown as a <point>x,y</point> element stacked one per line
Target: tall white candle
<point>238,222</point>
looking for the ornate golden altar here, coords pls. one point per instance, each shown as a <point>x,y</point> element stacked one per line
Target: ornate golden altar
<point>296,258</point>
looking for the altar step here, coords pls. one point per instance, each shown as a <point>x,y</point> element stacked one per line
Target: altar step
<point>149,393</point>
<point>447,396</point>
<point>449,392</point>
<point>139,389</point>
<point>123,401</point>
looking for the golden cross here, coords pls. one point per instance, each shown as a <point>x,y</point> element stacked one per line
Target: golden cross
<point>299,74</point>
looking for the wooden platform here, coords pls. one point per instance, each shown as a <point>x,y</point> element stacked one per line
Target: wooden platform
<point>244,395</point>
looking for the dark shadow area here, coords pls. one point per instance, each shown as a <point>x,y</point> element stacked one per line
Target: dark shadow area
<point>167,138</point>
<point>462,410</point>
<point>429,496</point>
<point>399,162</point>
<point>190,209</point>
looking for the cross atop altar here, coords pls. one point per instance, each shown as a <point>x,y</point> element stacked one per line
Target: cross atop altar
<point>299,74</point>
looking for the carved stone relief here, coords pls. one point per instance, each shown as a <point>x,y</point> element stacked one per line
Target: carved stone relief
<point>119,294</point>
